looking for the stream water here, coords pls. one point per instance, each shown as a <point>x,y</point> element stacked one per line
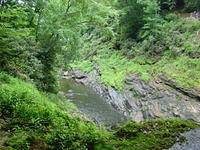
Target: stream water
<point>90,103</point>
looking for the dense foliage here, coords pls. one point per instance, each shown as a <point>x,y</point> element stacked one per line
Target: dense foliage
<point>174,53</point>
<point>34,120</point>
<point>34,34</point>
<point>192,5</point>
<point>37,122</point>
<point>40,38</point>
<point>143,46</point>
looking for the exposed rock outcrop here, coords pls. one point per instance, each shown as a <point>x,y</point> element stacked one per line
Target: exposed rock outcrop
<point>192,141</point>
<point>142,100</point>
<point>192,92</point>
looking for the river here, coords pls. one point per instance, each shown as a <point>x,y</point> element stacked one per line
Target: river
<point>88,102</point>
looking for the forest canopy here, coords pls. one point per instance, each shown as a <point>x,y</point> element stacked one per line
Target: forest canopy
<point>40,40</point>
<point>39,36</point>
<point>35,33</point>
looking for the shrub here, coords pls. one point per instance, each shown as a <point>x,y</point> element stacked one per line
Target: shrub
<point>114,67</point>
<point>31,115</point>
<point>183,70</point>
<point>85,66</point>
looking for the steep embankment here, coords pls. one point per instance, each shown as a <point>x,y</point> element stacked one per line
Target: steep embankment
<point>142,100</point>
<point>145,85</point>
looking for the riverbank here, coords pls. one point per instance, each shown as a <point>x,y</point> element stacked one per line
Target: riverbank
<point>147,81</point>
<point>31,119</point>
<point>90,103</point>
<point>126,58</point>
<point>143,100</point>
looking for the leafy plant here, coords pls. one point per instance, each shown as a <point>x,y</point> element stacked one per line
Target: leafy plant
<point>35,118</point>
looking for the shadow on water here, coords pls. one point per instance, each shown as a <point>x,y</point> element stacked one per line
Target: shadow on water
<point>90,103</point>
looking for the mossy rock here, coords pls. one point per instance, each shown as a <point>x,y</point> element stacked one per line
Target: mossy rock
<point>151,135</point>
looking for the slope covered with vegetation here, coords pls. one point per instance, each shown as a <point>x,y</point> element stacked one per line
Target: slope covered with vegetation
<point>174,53</point>
<point>32,120</point>
<point>39,38</point>
<point>151,42</point>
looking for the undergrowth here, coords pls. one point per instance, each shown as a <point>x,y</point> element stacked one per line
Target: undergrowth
<point>113,67</point>
<point>30,119</point>
<point>183,70</point>
<point>174,53</point>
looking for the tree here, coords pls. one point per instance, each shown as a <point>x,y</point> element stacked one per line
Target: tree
<point>140,17</point>
<point>192,5</point>
<point>41,31</point>
<point>131,18</point>
<point>13,33</point>
<point>60,26</point>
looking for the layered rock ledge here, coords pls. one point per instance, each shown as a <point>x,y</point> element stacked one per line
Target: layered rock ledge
<point>142,100</point>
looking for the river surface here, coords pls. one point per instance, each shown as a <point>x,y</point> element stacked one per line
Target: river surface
<point>90,103</point>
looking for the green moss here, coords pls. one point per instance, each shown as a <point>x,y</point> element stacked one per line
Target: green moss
<point>151,135</point>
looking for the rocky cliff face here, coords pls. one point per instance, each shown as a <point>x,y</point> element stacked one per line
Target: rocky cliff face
<point>142,100</point>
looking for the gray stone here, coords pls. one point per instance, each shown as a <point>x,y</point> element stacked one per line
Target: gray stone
<point>192,141</point>
<point>143,100</point>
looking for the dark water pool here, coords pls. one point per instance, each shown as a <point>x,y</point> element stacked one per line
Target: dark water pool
<point>90,103</point>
